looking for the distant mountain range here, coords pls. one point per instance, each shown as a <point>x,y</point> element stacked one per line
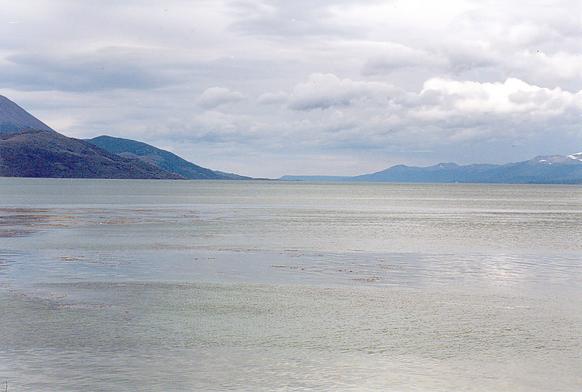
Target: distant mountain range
<point>30,148</point>
<point>553,169</point>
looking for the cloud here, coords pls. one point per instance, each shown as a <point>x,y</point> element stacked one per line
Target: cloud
<point>396,56</point>
<point>108,68</point>
<point>272,98</point>
<point>216,96</point>
<point>366,82</point>
<point>282,19</point>
<point>323,91</point>
<point>513,96</point>
<point>370,115</point>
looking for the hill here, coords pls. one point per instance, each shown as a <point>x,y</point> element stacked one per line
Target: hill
<point>162,159</point>
<point>34,153</point>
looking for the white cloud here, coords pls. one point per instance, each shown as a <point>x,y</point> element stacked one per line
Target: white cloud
<point>217,96</point>
<point>322,91</point>
<point>396,56</point>
<point>419,81</point>
<point>349,113</point>
<point>272,98</point>
<point>512,96</point>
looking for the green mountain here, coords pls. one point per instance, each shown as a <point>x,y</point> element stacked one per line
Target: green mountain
<point>159,158</point>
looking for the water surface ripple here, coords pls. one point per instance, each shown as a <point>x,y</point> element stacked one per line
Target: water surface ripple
<point>198,285</point>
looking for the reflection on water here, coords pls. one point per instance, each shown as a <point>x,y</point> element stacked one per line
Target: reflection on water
<point>154,285</point>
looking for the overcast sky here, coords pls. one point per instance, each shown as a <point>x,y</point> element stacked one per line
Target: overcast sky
<point>266,88</point>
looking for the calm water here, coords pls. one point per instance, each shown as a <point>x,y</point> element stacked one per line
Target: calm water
<point>179,286</point>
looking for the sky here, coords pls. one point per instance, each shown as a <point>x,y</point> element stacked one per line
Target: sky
<point>337,87</point>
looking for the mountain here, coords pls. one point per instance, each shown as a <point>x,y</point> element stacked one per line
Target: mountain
<point>443,172</point>
<point>37,153</point>
<point>30,148</point>
<point>553,169</point>
<point>159,158</point>
<point>15,119</point>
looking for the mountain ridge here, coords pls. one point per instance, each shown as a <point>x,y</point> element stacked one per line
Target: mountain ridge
<point>14,118</point>
<point>38,153</point>
<point>30,148</point>
<point>166,160</point>
<point>543,169</point>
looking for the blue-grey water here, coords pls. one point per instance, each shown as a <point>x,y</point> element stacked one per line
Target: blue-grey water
<point>112,285</point>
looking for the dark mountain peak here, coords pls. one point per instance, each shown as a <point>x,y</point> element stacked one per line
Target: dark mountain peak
<point>30,148</point>
<point>14,119</point>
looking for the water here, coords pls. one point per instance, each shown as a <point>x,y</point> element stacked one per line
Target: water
<point>162,286</point>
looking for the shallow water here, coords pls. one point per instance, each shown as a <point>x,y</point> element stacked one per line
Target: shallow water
<point>175,285</point>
